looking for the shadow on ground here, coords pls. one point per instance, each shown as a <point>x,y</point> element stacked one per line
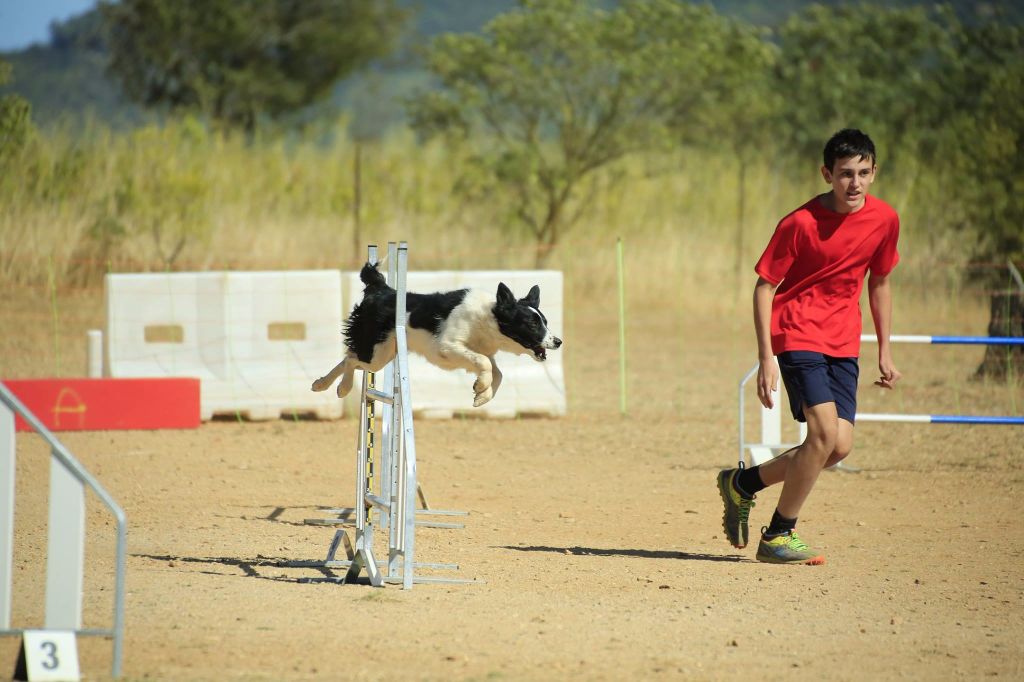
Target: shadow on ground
<point>639,553</point>
<point>251,567</point>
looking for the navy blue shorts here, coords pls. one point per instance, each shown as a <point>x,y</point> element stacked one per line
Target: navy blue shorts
<point>814,378</point>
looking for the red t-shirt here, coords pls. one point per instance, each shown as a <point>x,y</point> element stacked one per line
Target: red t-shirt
<point>821,258</point>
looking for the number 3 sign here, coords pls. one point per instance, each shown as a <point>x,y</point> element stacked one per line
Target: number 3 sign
<point>48,656</point>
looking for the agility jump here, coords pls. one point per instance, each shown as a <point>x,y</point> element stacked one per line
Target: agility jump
<point>395,501</point>
<point>771,427</point>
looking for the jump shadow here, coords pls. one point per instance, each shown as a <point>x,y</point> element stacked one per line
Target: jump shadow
<point>275,515</point>
<point>637,553</point>
<point>251,568</point>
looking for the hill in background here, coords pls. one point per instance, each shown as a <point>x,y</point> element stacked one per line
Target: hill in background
<point>65,80</point>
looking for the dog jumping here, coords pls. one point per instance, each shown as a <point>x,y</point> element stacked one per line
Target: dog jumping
<point>463,328</point>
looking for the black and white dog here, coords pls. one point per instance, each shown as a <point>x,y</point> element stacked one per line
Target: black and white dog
<point>463,329</point>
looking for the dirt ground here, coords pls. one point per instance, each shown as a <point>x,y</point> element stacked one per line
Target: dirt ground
<point>594,540</point>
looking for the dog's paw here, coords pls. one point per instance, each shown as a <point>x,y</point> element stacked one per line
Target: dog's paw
<point>483,397</point>
<point>321,384</point>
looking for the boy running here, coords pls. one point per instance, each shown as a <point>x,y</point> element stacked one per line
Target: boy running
<point>807,312</point>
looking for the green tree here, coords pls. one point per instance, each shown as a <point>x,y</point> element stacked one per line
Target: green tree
<point>15,121</point>
<point>982,133</point>
<point>743,106</point>
<point>863,66</point>
<point>941,89</point>
<point>978,146</point>
<point>236,60</point>
<point>559,89</point>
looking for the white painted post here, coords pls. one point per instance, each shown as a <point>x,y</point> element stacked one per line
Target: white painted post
<point>771,422</point>
<point>771,428</point>
<point>771,432</point>
<point>6,514</point>
<point>65,557</point>
<point>391,434</point>
<point>94,354</point>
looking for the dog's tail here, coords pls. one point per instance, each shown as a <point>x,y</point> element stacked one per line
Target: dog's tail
<point>371,277</point>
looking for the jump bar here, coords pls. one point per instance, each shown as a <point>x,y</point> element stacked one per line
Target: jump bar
<point>954,340</point>
<point>938,419</point>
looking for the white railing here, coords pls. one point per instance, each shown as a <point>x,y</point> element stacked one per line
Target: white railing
<point>65,557</point>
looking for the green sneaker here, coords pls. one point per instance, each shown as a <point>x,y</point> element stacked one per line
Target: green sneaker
<point>787,549</point>
<point>737,509</point>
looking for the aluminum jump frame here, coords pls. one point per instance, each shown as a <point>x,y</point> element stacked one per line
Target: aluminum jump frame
<point>771,428</point>
<point>395,504</point>
<point>65,555</point>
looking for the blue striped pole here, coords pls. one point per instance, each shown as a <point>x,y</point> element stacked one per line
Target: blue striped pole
<point>956,340</point>
<point>945,418</point>
<point>760,452</point>
<point>937,419</point>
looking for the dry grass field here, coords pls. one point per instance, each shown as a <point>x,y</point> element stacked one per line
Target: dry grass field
<point>595,540</point>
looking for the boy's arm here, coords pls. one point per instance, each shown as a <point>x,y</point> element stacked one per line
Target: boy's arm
<point>767,371</point>
<point>880,300</point>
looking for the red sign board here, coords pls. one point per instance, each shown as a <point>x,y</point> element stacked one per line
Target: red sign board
<point>108,404</point>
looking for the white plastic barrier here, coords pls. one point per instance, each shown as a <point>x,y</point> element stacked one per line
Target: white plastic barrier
<point>284,329</point>
<point>772,443</point>
<point>256,340</point>
<point>528,387</point>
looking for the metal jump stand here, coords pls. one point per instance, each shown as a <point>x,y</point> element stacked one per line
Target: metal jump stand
<point>395,504</point>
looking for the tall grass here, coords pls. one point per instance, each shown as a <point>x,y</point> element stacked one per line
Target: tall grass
<point>77,205</point>
<point>178,197</point>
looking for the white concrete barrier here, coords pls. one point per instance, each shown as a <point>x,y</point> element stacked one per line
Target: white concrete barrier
<point>282,329</point>
<point>256,340</point>
<point>528,387</point>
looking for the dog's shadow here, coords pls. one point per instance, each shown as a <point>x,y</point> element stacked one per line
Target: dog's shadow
<point>637,553</point>
<point>276,513</point>
<point>263,567</point>
<point>260,568</point>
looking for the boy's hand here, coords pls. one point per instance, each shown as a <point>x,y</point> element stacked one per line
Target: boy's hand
<point>767,381</point>
<point>889,374</point>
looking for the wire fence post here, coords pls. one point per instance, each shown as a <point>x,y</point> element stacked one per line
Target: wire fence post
<point>52,282</point>
<point>622,326</point>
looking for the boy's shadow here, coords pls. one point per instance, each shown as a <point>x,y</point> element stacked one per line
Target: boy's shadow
<point>639,553</point>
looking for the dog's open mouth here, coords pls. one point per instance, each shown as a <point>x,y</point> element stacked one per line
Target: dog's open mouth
<point>539,353</point>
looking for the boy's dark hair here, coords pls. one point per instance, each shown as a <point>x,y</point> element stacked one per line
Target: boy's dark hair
<point>848,142</point>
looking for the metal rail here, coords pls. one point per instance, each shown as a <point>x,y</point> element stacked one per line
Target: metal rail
<point>883,417</point>
<point>64,457</point>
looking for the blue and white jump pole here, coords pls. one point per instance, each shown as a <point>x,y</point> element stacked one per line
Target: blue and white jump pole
<point>771,419</point>
<point>944,418</point>
<point>951,340</point>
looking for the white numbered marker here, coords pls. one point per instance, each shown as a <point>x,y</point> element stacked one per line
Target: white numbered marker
<point>51,656</point>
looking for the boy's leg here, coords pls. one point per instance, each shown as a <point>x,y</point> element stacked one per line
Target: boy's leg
<point>738,495</point>
<point>774,470</point>
<point>844,443</point>
<point>817,380</point>
<point>807,461</point>
<point>737,506</point>
<point>779,541</point>
<point>831,385</point>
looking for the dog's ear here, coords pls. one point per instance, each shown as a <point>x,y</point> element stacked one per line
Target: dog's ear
<point>533,298</point>
<point>505,296</point>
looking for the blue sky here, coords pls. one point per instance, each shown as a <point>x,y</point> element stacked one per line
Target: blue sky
<point>23,22</point>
